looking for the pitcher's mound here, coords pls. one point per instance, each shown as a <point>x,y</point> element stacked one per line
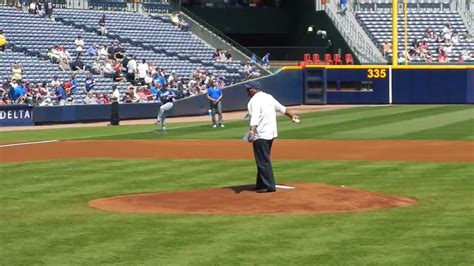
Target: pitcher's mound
<point>303,199</point>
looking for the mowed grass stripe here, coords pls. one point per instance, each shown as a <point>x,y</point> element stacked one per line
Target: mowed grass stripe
<point>410,125</point>
<point>463,130</point>
<point>320,122</point>
<point>331,130</point>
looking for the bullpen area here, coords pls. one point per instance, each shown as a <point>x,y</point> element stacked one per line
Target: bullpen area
<point>362,185</point>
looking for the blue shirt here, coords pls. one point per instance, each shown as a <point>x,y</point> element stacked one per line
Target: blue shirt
<point>19,91</point>
<point>91,51</point>
<point>74,84</point>
<point>89,84</point>
<point>214,92</point>
<point>165,96</point>
<point>60,92</point>
<point>265,59</point>
<point>153,90</point>
<point>343,2</point>
<point>160,81</point>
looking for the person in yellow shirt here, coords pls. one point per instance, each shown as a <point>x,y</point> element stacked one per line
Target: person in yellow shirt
<point>3,41</point>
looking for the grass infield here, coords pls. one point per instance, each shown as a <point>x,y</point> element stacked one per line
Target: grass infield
<point>45,218</point>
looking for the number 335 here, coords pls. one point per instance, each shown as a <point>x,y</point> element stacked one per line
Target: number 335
<point>376,73</point>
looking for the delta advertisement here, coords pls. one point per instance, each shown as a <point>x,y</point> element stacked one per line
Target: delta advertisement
<point>16,115</point>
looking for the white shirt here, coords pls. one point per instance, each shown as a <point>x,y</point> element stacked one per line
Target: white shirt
<point>262,109</point>
<point>142,70</point>
<point>132,66</point>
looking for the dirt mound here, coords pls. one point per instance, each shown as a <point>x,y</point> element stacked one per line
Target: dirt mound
<point>303,199</point>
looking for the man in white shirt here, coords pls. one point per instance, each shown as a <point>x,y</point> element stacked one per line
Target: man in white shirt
<point>262,109</point>
<point>132,69</point>
<point>142,71</point>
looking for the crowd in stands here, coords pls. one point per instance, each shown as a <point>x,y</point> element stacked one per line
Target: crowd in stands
<point>445,39</point>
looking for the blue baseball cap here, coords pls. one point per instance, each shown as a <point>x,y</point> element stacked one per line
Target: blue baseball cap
<point>253,85</point>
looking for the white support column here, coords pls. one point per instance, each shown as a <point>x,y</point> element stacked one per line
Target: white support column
<point>390,97</point>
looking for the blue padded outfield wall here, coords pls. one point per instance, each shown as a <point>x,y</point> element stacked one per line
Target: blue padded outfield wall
<point>409,86</point>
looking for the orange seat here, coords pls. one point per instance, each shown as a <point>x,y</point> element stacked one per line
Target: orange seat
<point>316,59</point>
<point>349,59</point>
<point>337,59</point>
<point>328,59</point>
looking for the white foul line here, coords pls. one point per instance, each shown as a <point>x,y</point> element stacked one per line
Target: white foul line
<point>27,143</point>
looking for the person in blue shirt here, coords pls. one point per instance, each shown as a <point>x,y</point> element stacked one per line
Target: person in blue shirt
<point>266,60</point>
<point>60,95</point>
<point>343,7</point>
<point>20,91</point>
<point>74,83</point>
<point>92,51</point>
<point>214,94</point>
<point>90,83</point>
<point>253,59</point>
<point>166,98</point>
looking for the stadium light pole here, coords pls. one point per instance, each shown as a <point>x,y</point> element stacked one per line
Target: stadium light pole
<point>394,32</point>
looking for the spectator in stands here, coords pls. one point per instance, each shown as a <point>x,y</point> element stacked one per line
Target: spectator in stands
<point>33,8</point>
<point>54,54</point>
<point>253,59</point>
<point>79,43</point>
<point>60,95</point>
<point>90,98</point>
<point>92,51</point>
<point>21,4</point>
<point>467,36</point>
<point>443,57</point>
<point>228,56</point>
<point>48,9</point>
<point>172,78</point>
<point>460,60</point>
<point>96,67</point>
<point>423,49</point>
<point>3,41</point>
<point>108,68</point>
<point>142,70</point>
<point>342,7</point>
<point>103,99</point>
<point>118,74</point>
<point>466,55</point>
<point>74,83</point>
<point>102,52</point>
<point>131,69</point>
<point>55,82</point>
<point>216,55</point>
<point>111,51</point>
<point>119,52</point>
<point>16,72</point>
<point>19,94</point>
<point>64,64</point>
<point>89,83</point>
<point>102,26</point>
<point>455,37</point>
<point>78,65</point>
<point>428,35</point>
<point>387,48</point>
<point>266,60</point>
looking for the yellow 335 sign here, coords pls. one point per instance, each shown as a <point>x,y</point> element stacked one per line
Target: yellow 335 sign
<point>376,73</point>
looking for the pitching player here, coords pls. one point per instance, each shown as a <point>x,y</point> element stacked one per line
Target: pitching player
<point>166,97</point>
<point>262,109</point>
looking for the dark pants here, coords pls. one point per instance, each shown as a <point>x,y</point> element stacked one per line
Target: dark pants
<point>216,109</point>
<point>262,149</point>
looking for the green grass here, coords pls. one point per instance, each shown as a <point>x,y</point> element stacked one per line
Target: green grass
<point>396,122</point>
<point>45,218</point>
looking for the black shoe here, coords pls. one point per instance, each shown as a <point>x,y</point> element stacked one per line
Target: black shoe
<point>265,190</point>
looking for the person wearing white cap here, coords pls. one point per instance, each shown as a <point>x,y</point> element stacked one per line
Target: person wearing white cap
<point>262,109</point>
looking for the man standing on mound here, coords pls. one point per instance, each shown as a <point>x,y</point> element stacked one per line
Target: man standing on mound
<point>262,109</point>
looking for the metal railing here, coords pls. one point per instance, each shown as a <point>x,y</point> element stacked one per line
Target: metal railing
<point>217,32</point>
<point>357,39</point>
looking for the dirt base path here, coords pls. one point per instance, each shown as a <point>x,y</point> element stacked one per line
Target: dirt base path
<point>303,199</point>
<point>367,150</point>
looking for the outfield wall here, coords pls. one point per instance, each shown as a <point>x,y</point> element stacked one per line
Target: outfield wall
<point>403,85</point>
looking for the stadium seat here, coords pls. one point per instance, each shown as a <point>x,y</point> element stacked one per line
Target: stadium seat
<point>307,59</point>
<point>349,59</point>
<point>328,59</point>
<point>337,59</point>
<point>316,59</point>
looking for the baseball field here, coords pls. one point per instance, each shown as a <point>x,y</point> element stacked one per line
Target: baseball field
<point>420,155</point>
